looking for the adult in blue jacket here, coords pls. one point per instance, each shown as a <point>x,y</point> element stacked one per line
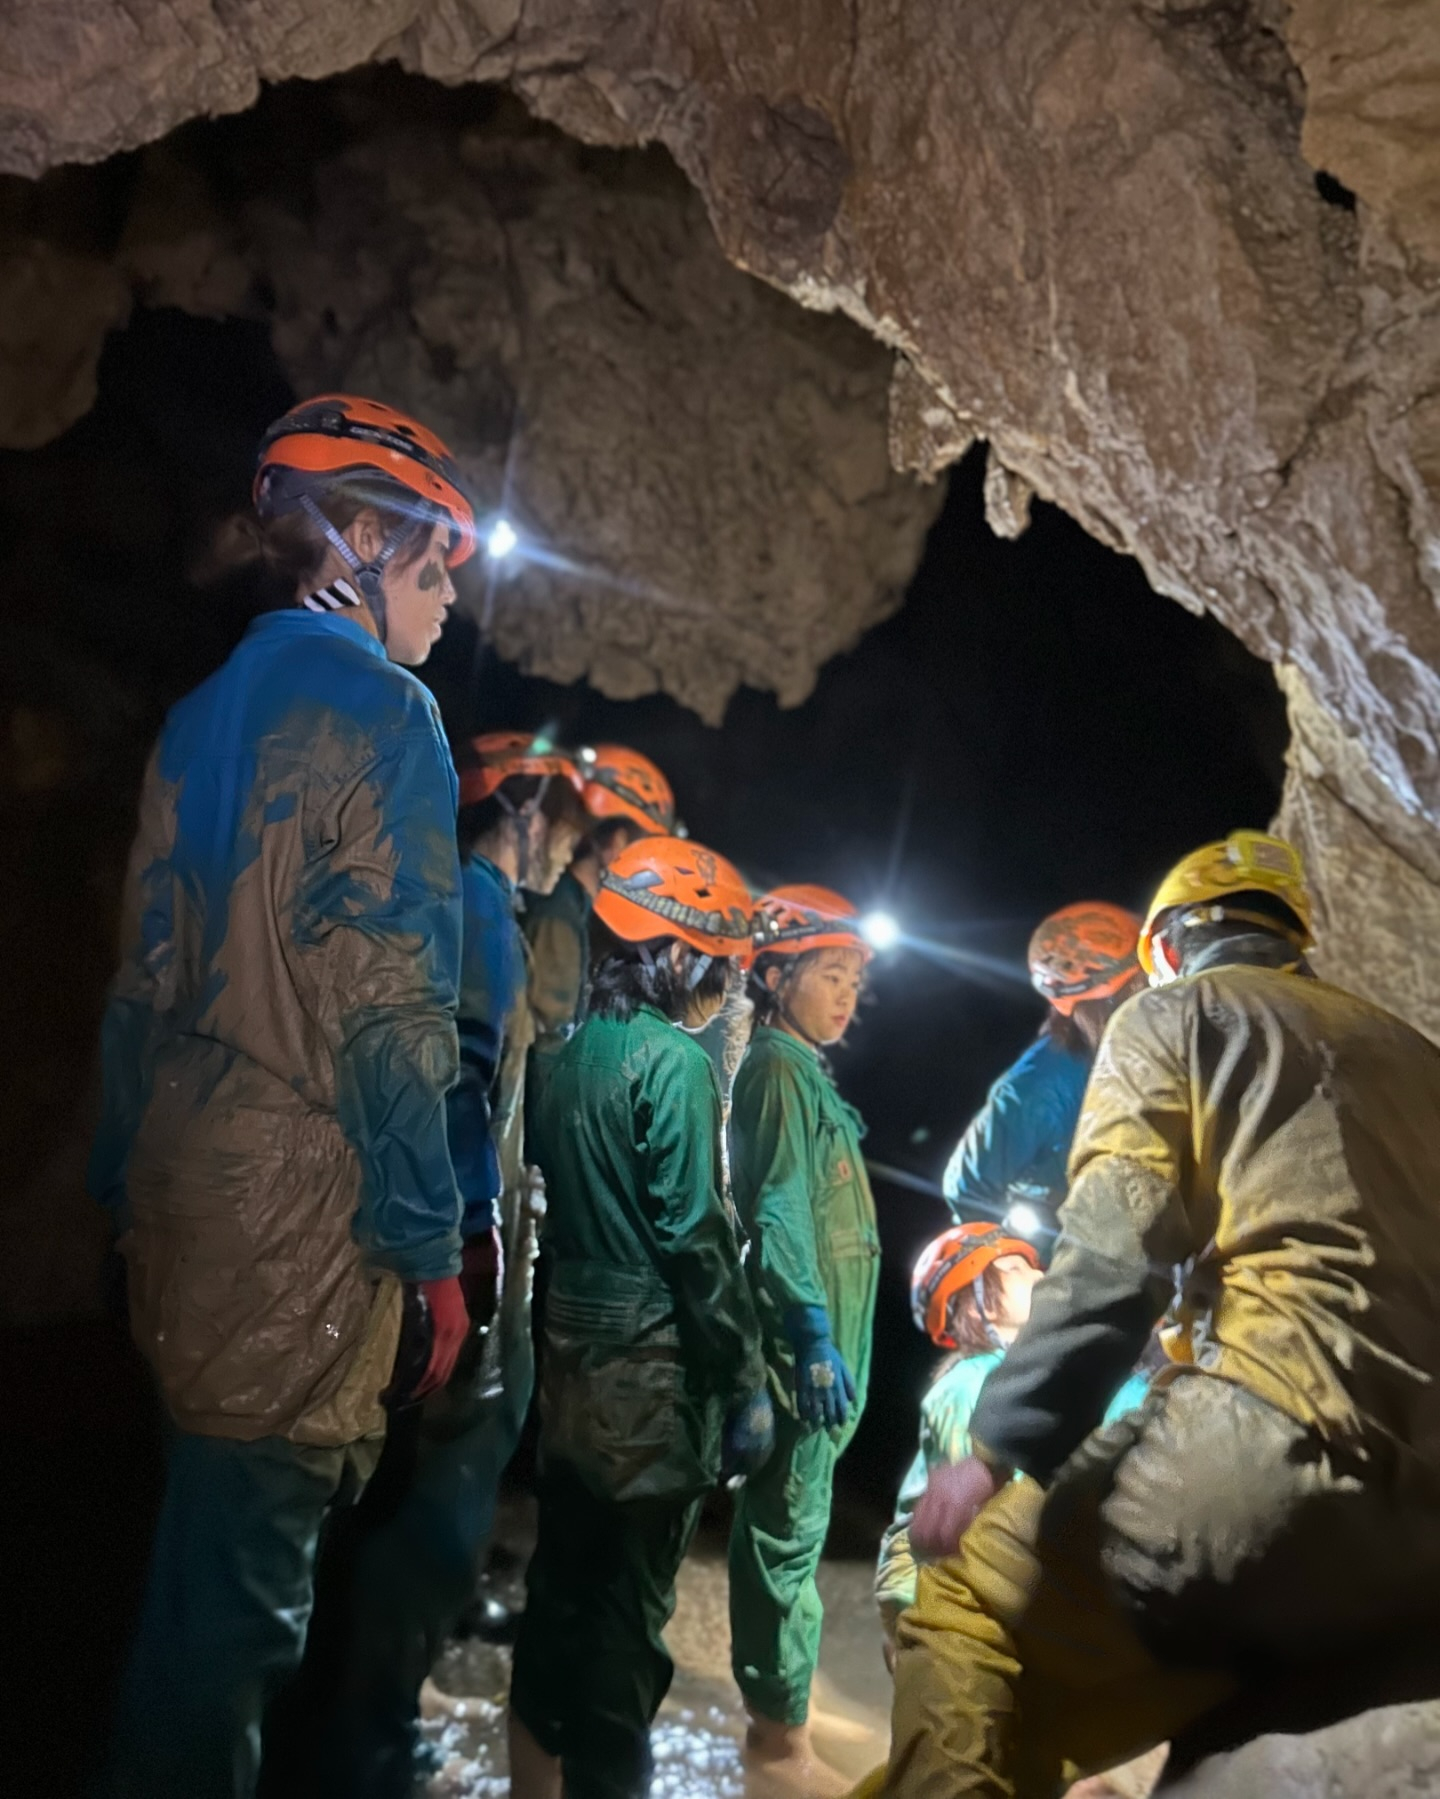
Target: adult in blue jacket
<point>277,1050</point>
<point>1082,960</point>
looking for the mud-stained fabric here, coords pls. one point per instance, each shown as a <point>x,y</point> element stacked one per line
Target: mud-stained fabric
<point>1017,1144</point>
<point>650,1331</point>
<point>1201,1535</point>
<point>557,928</point>
<point>1275,1140</point>
<point>804,1200</point>
<point>281,1036</point>
<point>945,1413</point>
<point>492,977</point>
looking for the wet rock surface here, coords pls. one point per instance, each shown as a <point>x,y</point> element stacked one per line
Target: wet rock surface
<point>1392,1752</point>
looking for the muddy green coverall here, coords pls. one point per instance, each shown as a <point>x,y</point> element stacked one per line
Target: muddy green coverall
<point>650,1344</point>
<point>1274,1500</point>
<point>804,1200</point>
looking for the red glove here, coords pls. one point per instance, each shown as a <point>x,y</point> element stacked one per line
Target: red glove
<point>449,1326</point>
<point>950,1504</point>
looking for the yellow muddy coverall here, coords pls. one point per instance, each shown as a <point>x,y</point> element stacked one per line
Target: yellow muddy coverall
<point>1276,1142</point>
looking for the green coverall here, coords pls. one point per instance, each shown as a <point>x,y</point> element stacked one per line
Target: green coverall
<point>650,1343</point>
<point>804,1200</point>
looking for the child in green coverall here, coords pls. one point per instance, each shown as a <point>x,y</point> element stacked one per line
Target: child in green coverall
<point>804,1200</point>
<point>970,1294</point>
<point>652,1383</point>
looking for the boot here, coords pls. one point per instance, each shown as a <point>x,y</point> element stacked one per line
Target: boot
<point>783,1759</point>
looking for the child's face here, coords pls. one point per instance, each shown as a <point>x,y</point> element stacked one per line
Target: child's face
<point>823,995</point>
<point>1017,1281</point>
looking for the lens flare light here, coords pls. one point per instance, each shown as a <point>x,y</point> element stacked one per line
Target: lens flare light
<point>502,540</point>
<point>1024,1220</point>
<point>880,931</point>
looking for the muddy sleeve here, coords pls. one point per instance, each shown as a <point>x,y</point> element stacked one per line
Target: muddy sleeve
<point>139,993</point>
<point>557,971</point>
<point>780,1130</point>
<point>396,961</point>
<point>679,1112</point>
<point>1123,1230</point>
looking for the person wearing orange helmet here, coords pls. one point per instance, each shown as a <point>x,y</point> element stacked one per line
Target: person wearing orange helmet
<point>804,1198</point>
<point>407,1566</point>
<point>626,797</point>
<point>970,1293</point>
<point>277,1049</point>
<point>652,1378</point>
<point>1268,1140</point>
<point>1083,963</point>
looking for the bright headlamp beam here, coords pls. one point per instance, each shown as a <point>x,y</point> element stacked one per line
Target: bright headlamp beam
<point>1024,1220</point>
<point>880,930</point>
<point>501,540</point>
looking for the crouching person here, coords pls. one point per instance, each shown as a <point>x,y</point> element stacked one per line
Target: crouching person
<point>651,1371</point>
<point>1272,1502</point>
<point>277,1051</point>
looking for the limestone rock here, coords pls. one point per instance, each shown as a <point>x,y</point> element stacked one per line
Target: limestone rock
<point>1390,1753</point>
<point>1090,228</point>
<point>1007,498</point>
<point>1374,870</point>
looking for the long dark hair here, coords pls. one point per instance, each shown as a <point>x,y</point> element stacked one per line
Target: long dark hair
<point>622,980</point>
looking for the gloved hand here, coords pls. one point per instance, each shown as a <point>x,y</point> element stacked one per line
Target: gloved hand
<point>449,1326</point>
<point>824,1386</point>
<point>950,1504</point>
<point>482,1274</point>
<point>749,1438</point>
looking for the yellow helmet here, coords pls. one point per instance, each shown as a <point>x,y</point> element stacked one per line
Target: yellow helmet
<point>1245,862</point>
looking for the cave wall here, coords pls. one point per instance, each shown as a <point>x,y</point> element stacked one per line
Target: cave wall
<point>1091,229</point>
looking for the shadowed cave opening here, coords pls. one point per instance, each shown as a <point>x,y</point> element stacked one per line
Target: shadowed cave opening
<point>1032,726</point>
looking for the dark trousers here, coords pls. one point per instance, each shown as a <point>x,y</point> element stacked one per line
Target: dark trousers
<point>226,1608</point>
<point>591,1667</point>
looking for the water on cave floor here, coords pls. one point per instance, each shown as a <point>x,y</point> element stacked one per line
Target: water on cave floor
<point>697,1735</point>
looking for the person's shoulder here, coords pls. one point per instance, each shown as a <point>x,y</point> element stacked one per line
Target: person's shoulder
<point>956,1387</point>
<point>487,898</point>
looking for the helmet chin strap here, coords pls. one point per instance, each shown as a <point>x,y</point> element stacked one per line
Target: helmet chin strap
<point>523,817</point>
<point>783,1009</point>
<point>369,576</point>
<point>992,1336</point>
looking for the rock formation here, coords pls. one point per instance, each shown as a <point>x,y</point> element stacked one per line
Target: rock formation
<point>1177,262</point>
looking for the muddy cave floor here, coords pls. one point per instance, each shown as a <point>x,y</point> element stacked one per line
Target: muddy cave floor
<point>698,1733</point>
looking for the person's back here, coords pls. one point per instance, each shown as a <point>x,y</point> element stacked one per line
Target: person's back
<point>1311,1207</point>
<point>273,882</point>
<point>625,1128</point>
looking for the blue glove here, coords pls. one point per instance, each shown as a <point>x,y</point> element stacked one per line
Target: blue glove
<point>749,1438</point>
<point>824,1386</point>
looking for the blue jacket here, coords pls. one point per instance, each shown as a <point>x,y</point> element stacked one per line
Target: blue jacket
<point>281,1036</point>
<point>492,976</point>
<point>1021,1135</point>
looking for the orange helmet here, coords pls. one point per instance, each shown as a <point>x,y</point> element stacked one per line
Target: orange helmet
<point>501,755</point>
<point>791,920</point>
<point>1086,951</point>
<point>621,783</point>
<point>671,887</point>
<point>951,1264</point>
<point>340,440</point>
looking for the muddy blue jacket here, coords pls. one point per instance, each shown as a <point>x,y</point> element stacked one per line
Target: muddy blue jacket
<point>492,974</point>
<point>281,1035</point>
<point>1020,1138</point>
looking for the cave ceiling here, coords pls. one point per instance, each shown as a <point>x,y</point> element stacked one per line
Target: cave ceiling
<point>1176,262</point>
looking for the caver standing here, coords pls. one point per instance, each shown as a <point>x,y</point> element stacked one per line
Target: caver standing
<point>277,1050</point>
<point>651,1374</point>
<point>1082,963</point>
<point>398,1573</point>
<point>804,1200</point>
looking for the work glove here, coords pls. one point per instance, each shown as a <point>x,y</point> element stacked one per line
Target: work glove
<point>749,1437</point>
<point>824,1386</point>
<point>433,1327</point>
<point>953,1499</point>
